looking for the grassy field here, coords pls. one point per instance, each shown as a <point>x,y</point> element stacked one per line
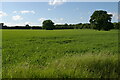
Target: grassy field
<point>0,53</point>
<point>60,54</point>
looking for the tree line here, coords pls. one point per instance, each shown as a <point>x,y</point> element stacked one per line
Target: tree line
<point>99,20</point>
<point>63,26</point>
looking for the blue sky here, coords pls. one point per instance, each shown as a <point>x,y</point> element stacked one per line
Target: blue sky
<point>34,13</point>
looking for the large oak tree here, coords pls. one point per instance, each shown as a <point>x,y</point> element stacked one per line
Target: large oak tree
<point>48,25</point>
<point>101,20</point>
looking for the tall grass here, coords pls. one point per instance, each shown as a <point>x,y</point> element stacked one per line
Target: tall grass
<point>60,54</point>
<point>0,53</point>
<point>77,66</point>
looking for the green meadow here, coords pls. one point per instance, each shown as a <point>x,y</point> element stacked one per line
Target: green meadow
<point>0,53</point>
<point>72,53</point>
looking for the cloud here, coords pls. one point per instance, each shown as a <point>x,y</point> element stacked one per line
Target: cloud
<point>61,19</point>
<point>99,9</point>
<point>8,23</point>
<point>17,17</point>
<point>81,17</point>
<point>20,24</point>
<point>27,23</point>
<point>14,11</point>
<point>58,20</point>
<point>55,20</point>
<point>59,23</point>
<point>49,9</point>
<point>110,13</point>
<point>26,11</point>
<point>56,2</point>
<point>13,24</point>
<point>2,14</point>
<point>115,15</point>
<point>41,19</point>
<point>90,12</point>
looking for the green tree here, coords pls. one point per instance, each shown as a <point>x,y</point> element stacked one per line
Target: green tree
<point>27,25</point>
<point>48,25</point>
<point>101,20</point>
<point>116,25</point>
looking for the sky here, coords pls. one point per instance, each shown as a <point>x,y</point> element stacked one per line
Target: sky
<point>60,0</point>
<point>34,13</point>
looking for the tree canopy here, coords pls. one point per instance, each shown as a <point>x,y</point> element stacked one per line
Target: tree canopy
<point>101,20</point>
<point>27,25</point>
<point>48,25</point>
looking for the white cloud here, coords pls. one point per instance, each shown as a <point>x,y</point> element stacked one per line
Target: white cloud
<point>26,11</point>
<point>90,13</point>
<point>13,24</point>
<point>27,23</point>
<point>59,23</point>
<point>49,9</point>
<point>20,24</point>
<point>110,13</point>
<point>41,19</point>
<point>100,9</point>
<point>61,19</point>
<point>8,23</point>
<point>56,2</point>
<point>81,17</point>
<point>114,15</point>
<point>14,11</point>
<point>2,14</point>
<point>68,0</point>
<point>55,20</point>
<point>58,20</point>
<point>17,17</point>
